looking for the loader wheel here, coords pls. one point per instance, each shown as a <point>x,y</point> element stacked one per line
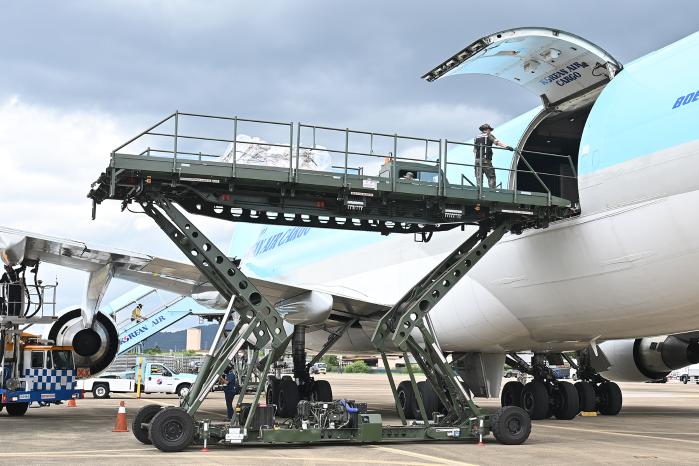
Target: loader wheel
<point>144,416</point>
<point>171,430</point>
<point>511,425</point>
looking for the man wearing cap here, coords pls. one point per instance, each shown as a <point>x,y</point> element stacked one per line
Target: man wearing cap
<point>482,149</point>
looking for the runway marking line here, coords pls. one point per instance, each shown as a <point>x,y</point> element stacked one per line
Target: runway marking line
<point>204,456</point>
<point>420,455</point>
<point>623,434</point>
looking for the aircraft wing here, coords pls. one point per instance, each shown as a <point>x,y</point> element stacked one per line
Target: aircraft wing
<point>176,277</point>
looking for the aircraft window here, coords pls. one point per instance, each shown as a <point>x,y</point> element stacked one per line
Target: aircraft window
<point>63,359</point>
<point>37,361</point>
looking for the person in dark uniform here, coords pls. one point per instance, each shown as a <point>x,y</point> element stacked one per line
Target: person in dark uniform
<point>230,389</point>
<point>482,149</point>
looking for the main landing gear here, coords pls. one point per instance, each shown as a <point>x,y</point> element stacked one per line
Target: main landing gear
<point>546,396</point>
<point>286,392</point>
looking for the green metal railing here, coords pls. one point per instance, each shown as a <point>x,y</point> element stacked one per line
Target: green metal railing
<point>347,160</point>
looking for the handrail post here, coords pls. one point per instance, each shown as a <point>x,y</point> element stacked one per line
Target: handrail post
<point>514,184</point>
<point>446,166</point>
<point>393,164</point>
<point>346,153</point>
<point>174,151</point>
<point>440,181</point>
<point>479,177</point>
<point>291,150</point>
<point>298,149</point>
<point>235,145</point>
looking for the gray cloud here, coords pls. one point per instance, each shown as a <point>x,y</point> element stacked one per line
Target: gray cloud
<point>88,74</point>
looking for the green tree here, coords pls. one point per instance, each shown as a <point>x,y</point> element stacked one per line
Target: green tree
<point>330,360</point>
<point>358,367</point>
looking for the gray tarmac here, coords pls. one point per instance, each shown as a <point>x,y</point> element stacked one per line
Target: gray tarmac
<point>658,424</point>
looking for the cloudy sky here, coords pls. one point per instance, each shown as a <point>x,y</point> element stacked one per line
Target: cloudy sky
<point>80,77</point>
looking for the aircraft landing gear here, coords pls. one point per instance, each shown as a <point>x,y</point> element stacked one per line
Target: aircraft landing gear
<point>594,391</point>
<point>543,397</point>
<point>286,392</point>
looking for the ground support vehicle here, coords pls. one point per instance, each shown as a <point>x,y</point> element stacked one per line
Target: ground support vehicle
<point>155,378</point>
<point>156,179</point>
<point>689,374</point>
<point>32,370</point>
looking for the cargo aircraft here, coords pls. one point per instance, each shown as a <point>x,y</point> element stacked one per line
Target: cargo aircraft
<point>611,289</point>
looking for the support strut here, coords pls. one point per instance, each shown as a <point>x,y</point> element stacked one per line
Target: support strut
<point>396,327</point>
<point>256,320</point>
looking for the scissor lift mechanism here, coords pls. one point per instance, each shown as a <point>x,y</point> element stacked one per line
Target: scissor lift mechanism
<point>264,195</point>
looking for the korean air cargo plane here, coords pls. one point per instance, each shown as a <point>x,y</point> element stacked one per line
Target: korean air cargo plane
<point>612,289</point>
<point>624,268</point>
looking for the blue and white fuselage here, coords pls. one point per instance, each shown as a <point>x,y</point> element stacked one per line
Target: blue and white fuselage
<point>625,267</point>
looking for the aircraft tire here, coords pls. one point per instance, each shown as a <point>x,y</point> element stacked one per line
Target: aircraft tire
<point>429,399</point>
<point>288,398</point>
<point>567,401</point>
<point>611,398</point>
<point>535,400</point>
<point>272,391</point>
<point>586,396</point>
<point>511,425</point>
<point>406,398</point>
<point>144,416</point>
<point>322,391</point>
<point>171,430</point>
<point>512,394</point>
<point>17,409</point>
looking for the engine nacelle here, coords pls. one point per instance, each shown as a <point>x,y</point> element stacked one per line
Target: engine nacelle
<point>94,348</point>
<point>644,359</point>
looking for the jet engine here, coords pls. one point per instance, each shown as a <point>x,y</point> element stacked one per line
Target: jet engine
<point>643,359</point>
<point>94,348</point>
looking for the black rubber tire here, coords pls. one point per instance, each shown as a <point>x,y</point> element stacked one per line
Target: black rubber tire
<point>183,388</point>
<point>586,396</point>
<point>511,425</point>
<point>100,390</point>
<point>272,391</point>
<point>610,398</point>
<point>511,394</point>
<point>171,430</point>
<point>144,416</point>
<point>567,404</point>
<point>288,398</point>
<point>406,398</point>
<point>429,399</point>
<point>684,379</point>
<point>17,409</point>
<point>535,400</point>
<point>322,391</point>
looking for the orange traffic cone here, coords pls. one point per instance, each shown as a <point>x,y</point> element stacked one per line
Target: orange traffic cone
<point>72,403</point>
<point>120,425</point>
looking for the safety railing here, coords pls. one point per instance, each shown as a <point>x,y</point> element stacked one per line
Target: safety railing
<point>337,152</point>
<point>28,300</point>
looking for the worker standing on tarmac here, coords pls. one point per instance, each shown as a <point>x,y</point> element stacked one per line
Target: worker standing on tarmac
<point>483,152</point>
<point>136,313</point>
<point>230,389</point>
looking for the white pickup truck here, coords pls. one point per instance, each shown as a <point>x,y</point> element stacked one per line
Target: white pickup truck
<point>155,378</point>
